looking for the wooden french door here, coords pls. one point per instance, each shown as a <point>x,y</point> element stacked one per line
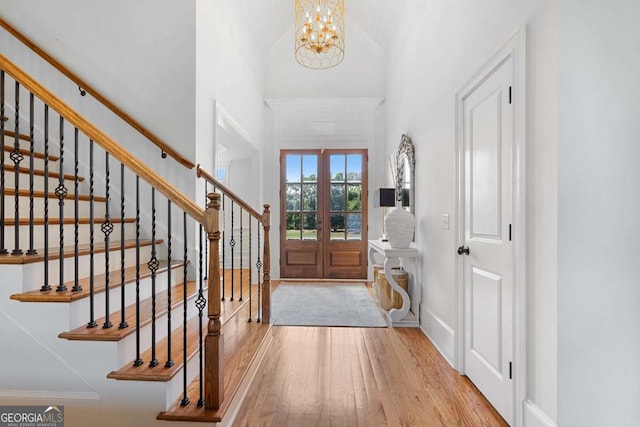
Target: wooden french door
<point>323,211</point>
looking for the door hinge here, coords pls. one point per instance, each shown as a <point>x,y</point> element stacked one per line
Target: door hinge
<point>509,232</point>
<point>510,97</point>
<point>510,370</point>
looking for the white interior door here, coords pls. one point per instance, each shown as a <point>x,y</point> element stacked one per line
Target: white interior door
<point>487,250</point>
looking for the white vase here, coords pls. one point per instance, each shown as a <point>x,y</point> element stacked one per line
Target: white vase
<point>399,226</point>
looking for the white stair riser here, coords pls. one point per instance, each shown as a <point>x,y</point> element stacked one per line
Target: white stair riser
<point>69,234</point>
<point>79,310</point>
<point>33,274</point>
<point>127,346</point>
<point>175,386</point>
<point>54,208</point>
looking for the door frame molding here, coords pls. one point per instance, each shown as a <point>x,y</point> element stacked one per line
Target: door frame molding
<point>515,48</point>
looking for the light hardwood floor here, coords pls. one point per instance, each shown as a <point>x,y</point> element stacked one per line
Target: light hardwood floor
<point>315,376</point>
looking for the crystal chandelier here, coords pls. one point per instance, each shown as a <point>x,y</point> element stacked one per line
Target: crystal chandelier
<point>319,33</point>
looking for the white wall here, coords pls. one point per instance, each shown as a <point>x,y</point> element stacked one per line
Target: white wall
<point>361,73</point>
<point>320,123</point>
<point>542,207</point>
<point>139,54</point>
<point>229,70</point>
<point>599,207</point>
<point>438,48</point>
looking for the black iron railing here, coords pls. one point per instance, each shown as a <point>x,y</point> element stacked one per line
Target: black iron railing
<point>155,299</point>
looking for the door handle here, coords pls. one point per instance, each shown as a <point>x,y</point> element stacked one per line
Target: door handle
<point>463,250</point>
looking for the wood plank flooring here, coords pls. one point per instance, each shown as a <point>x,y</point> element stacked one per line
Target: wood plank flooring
<point>360,377</point>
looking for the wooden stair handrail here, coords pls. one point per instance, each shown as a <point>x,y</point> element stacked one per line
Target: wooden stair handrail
<point>108,144</point>
<point>226,191</point>
<point>83,85</point>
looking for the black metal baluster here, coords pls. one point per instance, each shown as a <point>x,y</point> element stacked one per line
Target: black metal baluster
<point>224,258</point>
<point>123,322</point>
<point>185,398</point>
<point>31,250</point>
<point>16,156</point>
<point>206,243</point>
<point>92,319</point>
<point>170,362</point>
<point>46,286</point>
<point>153,265</point>
<point>138,361</point>
<point>61,193</point>
<point>107,228</point>
<point>76,230</point>
<point>3,249</point>
<point>250,268</point>
<point>259,267</point>
<point>232,245</point>
<point>201,303</point>
<point>241,254</point>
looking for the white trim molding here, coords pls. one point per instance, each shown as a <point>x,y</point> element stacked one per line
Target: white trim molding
<point>441,335</point>
<point>516,49</point>
<point>535,417</point>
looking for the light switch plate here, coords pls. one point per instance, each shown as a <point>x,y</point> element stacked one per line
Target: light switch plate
<point>445,221</point>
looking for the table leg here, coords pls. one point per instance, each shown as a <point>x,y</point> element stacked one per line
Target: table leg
<point>396,313</point>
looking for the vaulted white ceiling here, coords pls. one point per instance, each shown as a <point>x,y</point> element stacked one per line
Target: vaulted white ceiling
<point>270,19</point>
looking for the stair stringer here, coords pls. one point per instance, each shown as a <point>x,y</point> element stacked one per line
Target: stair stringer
<point>83,365</point>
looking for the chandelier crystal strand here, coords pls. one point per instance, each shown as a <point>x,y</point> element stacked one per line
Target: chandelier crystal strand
<point>319,33</point>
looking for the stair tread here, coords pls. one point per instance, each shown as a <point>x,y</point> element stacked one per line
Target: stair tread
<point>25,152</point>
<point>99,285</point>
<point>239,353</point>
<point>40,172</point>
<point>69,251</point>
<point>160,373</point>
<point>40,194</point>
<point>12,134</point>
<point>116,334</point>
<point>67,221</point>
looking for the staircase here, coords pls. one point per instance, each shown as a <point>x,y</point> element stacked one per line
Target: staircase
<point>116,301</point>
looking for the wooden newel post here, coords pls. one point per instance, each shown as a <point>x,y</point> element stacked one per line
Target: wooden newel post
<point>266,272</point>
<point>214,341</point>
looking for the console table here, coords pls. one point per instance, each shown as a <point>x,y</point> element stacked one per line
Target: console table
<point>397,316</point>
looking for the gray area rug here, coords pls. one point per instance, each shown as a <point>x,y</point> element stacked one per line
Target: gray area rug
<point>325,305</point>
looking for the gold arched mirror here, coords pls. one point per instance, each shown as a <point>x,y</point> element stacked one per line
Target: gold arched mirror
<point>405,173</point>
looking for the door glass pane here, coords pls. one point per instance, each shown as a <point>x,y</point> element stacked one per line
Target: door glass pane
<point>354,197</point>
<point>310,168</point>
<point>337,226</point>
<point>354,226</point>
<point>310,227</point>
<point>337,165</point>
<point>310,197</point>
<point>337,197</point>
<point>293,227</point>
<point>354,168</point>
<point>293,197</point>
<point>293,162</point>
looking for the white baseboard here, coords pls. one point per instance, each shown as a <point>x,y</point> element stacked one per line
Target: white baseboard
<point>535,417</point>
<point>441,335</point>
